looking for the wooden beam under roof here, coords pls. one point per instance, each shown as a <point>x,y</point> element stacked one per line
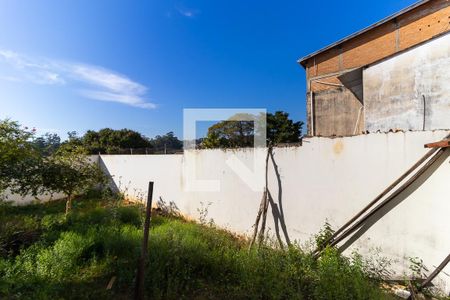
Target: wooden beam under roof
<point>441,144</point>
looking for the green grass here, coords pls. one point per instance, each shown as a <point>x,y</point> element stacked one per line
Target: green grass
<point>44,255</point>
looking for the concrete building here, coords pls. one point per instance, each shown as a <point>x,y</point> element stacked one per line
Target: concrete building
<point>392,75</point>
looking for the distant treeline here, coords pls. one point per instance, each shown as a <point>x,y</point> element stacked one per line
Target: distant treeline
<point>232,133</point>
<point>111,141</point>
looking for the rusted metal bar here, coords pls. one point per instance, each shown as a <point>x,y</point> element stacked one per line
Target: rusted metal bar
<point>329,83</point>
<point>441,144</point>
<point>380,196</point>
<point>435,273</point>
<point>424,111</point>
<point>139,292</point>
<point>411,180</point>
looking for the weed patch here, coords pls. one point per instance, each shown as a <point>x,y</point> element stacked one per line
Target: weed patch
<point>75,257</point>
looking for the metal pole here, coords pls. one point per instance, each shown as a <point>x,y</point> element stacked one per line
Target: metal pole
<point>424,112</point>
<point>311,96</point>
<point>139,292</point>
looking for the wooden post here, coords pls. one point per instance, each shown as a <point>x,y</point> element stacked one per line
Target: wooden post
<point>139,292</point>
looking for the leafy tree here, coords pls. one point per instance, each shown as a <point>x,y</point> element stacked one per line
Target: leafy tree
<point>111,141</point>
<point>213,140</point>
<point>166,142</point>
<point>234,133</point>
<point>230,134</point>
<point>20,162</point>
<point>91,140</point>
<point>70,171</point>
<point>32,166</point>
<point>281,129</point>
<point>73,138</point>
<point>48,143</point>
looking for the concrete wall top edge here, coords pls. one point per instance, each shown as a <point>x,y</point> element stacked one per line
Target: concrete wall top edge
<point>306,139</point>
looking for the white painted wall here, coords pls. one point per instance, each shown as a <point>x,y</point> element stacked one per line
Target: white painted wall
<point>28,199</point>
<point>393,89</point>
<point>325,179</point>
<point>131,174</point>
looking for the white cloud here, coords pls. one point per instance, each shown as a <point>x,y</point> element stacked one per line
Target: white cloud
<point>48,77</point>
<point>123,98</point>
<point>187,12</point>
<point>10,78</point>
<point>102,84</point>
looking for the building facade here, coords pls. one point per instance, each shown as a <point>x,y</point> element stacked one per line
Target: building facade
<point>393,75</point>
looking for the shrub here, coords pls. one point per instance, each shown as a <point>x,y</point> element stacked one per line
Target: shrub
<point>339,278</point>
<point>129,215</point>
<point>70,171</point>
<point>60,261</point>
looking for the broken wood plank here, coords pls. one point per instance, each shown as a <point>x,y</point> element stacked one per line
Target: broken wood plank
<point>441,144</point>
<point>111,282</point>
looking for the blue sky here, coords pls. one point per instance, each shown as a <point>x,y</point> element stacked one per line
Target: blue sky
<point>78,65</point>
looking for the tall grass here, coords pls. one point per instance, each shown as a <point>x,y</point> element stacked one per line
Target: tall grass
<point>75,258</point>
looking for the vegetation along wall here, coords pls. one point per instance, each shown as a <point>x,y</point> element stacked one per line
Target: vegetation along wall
<point>326,179</point>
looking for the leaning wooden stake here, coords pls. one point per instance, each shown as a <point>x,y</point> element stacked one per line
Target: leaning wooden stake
<point>258,217</point>
<point>390,198</point>
<point>264,217</point>
<point>337,238</point>
<point>379,197</point>
<point>139,292</point>
<point>435,273</point>
<point>263,206</point>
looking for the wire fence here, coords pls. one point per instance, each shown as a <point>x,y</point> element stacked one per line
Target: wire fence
<point>143,151</point>
<point>170,150</point>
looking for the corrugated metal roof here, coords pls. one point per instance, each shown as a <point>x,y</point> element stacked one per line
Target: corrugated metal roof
<point>302,60</point>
